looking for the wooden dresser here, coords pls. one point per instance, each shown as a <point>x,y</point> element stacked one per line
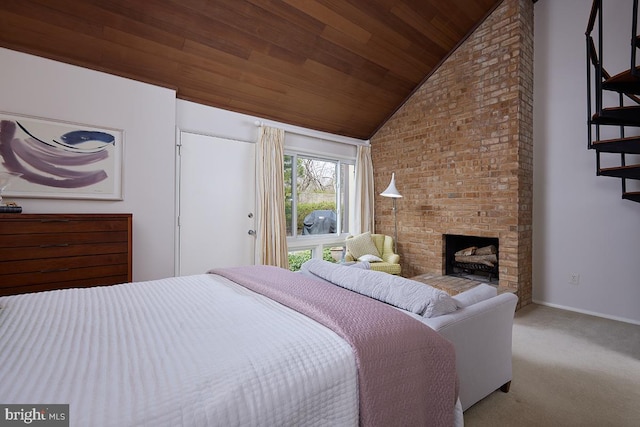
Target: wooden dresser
<point>41,252</point>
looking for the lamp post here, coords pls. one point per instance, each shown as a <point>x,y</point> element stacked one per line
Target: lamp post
<point>394,194</point>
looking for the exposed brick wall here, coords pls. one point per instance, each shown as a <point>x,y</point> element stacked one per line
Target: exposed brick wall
<point>462,150</point>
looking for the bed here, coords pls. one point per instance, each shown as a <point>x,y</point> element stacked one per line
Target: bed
<point>250,346</point>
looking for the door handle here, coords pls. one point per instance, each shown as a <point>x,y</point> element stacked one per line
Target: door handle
<point>252,232</point>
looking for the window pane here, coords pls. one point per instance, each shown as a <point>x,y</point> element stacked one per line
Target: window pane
<point>288,192</point>
<point>297,258</point>
<point>347,197</point>
<point>316,196</point>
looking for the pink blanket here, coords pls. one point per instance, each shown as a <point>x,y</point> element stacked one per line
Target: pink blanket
<point>406,371</point>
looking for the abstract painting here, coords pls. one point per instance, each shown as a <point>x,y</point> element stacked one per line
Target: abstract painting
<point>60,160</point>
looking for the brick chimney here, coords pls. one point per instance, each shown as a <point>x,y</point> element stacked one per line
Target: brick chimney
<point>462,151</point>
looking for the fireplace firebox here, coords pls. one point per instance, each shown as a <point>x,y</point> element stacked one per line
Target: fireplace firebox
<point>471,255</point>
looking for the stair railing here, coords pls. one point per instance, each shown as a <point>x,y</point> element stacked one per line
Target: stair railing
<point>593,58</point>
<point>635,41</point>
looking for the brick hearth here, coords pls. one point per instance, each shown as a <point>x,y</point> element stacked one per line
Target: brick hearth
<point>461,148</point>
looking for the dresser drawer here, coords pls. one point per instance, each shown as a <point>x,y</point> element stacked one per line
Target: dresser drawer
<point>60,249</point>
<point>64,263</point>
<point>44,240</point>
<point>41,224</point>
<point>43,252</point>
<point>63,281</point>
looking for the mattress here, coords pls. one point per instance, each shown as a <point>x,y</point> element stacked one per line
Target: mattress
<point>184,351</point>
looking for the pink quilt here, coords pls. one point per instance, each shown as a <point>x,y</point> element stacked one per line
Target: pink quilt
<point>406,371</point>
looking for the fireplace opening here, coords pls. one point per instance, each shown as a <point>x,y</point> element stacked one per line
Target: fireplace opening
<point>472,256</point>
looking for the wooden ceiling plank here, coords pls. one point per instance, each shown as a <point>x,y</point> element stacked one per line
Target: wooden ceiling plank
<point>377,17</point>
<point>472,10</point>
<point>134,63</point>
<point>288,13</point>
<point>26,34</point>
<point>153,34</point>
<point>448,10</point>
<point>412,18</point>
<point>271,68</point>
<point>373,17</point>
<point>398,45</point>
<point>383,58</point>
<point>315,79</point>
<point>261,25</point>
<point>49,14</point>
<point>185,23</point>
<point>315,62</point>
<point>351,88</point>
<point>209,59</point>
<point>156,13</point>
<point>332,19</point>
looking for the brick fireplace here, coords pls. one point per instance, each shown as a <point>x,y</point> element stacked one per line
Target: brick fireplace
<point>461,148</point>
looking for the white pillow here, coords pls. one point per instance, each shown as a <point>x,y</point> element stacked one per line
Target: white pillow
<point>364,265</point>
<point>475,294</point>
<point>370,258</point>
<point>403,293</point>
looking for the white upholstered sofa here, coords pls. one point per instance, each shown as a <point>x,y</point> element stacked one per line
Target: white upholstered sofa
<point>481,335</point>
<point>478,322</point>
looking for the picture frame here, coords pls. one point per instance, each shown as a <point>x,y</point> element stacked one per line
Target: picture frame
<point>61,160</point>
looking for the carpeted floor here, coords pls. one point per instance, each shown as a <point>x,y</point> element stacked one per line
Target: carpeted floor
<point>569,369</point>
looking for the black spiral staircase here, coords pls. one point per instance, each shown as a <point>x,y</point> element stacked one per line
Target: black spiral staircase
<point>614,120</point>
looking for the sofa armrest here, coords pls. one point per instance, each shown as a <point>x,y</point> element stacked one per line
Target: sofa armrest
<point>391,258</point>
<point>482,336</point>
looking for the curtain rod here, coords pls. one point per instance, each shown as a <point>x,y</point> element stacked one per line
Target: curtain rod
<point>313,133</point>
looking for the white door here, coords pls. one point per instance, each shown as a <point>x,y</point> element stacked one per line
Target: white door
<point>216,203</point>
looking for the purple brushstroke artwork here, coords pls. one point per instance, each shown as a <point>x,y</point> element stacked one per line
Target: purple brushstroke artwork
<point>59,159</point>
<point>45,158</point>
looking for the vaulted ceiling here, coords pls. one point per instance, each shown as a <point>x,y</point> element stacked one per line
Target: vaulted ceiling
<point>340,66</point>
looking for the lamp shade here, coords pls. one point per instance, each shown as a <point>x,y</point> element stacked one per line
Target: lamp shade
<point>391,190</point>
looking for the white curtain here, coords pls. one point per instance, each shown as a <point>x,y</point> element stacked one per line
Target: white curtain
<point>364,209</point>
<point>271,233</point>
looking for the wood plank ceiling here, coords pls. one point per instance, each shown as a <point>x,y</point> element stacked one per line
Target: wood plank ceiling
<point>340,66</point>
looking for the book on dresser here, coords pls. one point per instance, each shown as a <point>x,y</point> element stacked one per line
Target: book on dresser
<point>10,209</point>
<point>40,252</point>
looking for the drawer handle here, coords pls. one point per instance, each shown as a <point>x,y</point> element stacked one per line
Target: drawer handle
<point>54,270</point>
<point>55,245</point>
<point>54,220</point>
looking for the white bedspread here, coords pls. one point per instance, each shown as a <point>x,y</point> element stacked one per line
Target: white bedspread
<point>187,351</point>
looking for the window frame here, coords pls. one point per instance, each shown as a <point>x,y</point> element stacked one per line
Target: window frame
<point>317,242</point>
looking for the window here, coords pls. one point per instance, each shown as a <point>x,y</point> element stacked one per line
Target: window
<point>319,195</point>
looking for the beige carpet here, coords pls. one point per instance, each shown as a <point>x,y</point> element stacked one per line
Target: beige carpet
<point>569,369</point>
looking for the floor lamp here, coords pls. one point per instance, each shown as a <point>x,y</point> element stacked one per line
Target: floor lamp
<point>393,193</point>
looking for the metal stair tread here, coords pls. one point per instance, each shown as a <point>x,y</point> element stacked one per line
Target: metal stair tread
<point>629,172</point>
<point>629,145</point>
<point>620,116</point>
<point>632,195</point>
<point>624,82</point>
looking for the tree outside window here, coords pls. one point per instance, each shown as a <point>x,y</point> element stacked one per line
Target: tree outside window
<point>317,201</point>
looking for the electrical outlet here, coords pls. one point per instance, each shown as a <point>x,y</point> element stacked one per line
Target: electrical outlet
<point>574,279</point>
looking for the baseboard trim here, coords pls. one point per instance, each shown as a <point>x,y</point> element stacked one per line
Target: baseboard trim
<point>590,313</point>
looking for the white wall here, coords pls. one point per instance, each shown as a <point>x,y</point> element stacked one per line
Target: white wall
<point>200,119</point>
<point>149,116</point>
<point>207,120</point>
<point>38,87</point>
<point>580,223</point>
